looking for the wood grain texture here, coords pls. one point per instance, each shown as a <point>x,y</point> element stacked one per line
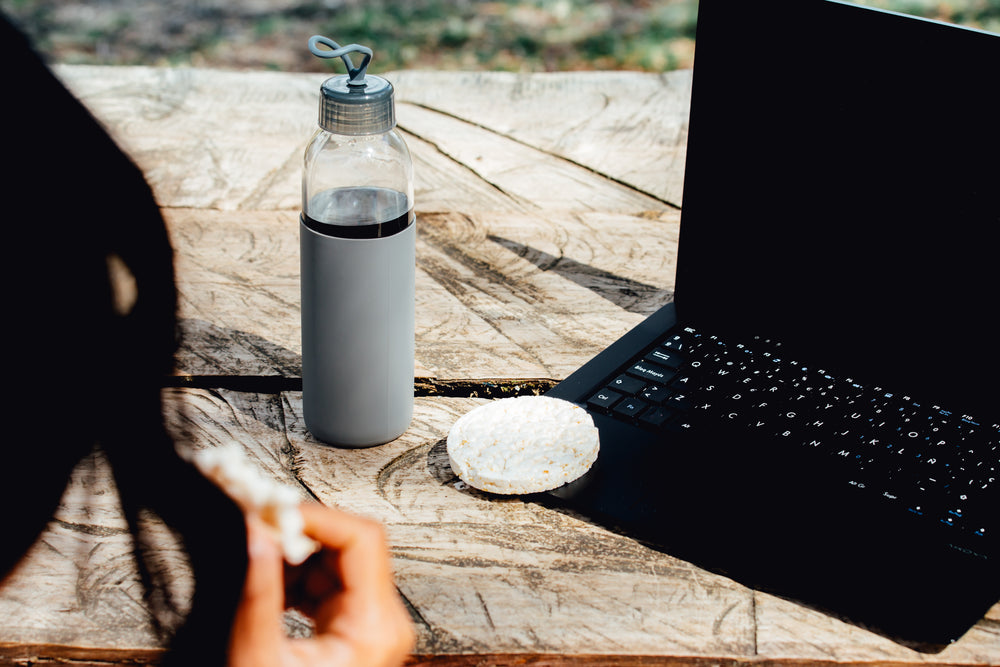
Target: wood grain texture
<point>484,573</point>
<point>507,577</point>
<point>513,295</point>
<point>488,579</point>
<point>629,126</point>
<point>483,141</point>
<point>531,259</point>
<point>528,179</point>
<point>79,587</point>
<point>203,138</point>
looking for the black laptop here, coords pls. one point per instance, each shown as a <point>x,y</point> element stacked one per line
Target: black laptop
<point>816,414</point>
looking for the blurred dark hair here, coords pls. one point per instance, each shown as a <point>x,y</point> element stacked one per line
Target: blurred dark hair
<point>84,372</point>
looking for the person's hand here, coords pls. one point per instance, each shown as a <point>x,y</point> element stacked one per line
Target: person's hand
<point>346,588</point>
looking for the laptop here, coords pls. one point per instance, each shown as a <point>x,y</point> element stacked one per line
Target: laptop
<point>816,413</point>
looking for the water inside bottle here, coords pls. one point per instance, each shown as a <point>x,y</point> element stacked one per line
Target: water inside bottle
<point>363,212</point>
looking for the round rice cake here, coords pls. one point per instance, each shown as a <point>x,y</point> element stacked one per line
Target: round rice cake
<point>526,444</point>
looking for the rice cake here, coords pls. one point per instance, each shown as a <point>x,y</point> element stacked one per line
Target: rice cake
<point>526,444</point>
<point>277,504</point>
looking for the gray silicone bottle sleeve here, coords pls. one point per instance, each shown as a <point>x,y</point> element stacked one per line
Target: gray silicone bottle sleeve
<point>358,300</point>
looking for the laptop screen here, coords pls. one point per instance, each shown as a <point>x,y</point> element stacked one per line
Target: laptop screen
<point>842,193</point>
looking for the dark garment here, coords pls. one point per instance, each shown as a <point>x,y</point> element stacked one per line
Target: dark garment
<point>78,374</point>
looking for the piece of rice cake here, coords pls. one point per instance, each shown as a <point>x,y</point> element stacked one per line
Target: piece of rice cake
<point>277,504</point>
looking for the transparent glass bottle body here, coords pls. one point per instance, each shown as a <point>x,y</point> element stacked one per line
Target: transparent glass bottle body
<point>357,244</point>
<point>334,161</point>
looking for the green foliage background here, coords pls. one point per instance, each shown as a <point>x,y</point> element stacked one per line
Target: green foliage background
<point>519,35</point>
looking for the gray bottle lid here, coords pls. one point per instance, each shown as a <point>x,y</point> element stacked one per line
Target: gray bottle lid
<point>355,103</point>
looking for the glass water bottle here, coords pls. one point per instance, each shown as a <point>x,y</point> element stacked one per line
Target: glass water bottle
<point>357,240</point>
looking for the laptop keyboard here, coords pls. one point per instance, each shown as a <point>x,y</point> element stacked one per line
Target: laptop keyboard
<point>926,460</point>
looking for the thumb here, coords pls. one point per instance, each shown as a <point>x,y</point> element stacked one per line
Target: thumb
<point>257,631</point>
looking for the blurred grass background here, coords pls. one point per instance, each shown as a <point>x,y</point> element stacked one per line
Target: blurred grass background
<point>515,35</point>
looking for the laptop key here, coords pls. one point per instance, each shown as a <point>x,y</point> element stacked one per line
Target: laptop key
<point>665,357</point>
<point>603,400</point>
<point>655,394</point>
<point>676,343</point>
<point>627,385</point>
<point>651,372</point>
<point>656,417</point>
<point>681,402</point>
<point>629,408</point>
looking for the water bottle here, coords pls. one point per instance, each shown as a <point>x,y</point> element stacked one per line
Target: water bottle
<point>357,240</point>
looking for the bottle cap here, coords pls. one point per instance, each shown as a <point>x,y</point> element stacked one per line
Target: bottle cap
<point>355,103</point>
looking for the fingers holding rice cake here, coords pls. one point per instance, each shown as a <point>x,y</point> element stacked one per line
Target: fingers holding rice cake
<point>526,444</point>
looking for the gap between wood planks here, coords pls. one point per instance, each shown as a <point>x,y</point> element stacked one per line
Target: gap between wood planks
<point>422,387</point>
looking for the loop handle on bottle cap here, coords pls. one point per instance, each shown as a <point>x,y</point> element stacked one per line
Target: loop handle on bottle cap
<point>356,75</point>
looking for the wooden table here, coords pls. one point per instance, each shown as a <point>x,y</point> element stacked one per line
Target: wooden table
<point>548,212</point>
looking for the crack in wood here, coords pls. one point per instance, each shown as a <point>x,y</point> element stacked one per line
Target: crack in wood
<point>422,387</point>
<point>482,388</point>
<point>558,156</point>
<point>91,529</point>
<point>467,167</point>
